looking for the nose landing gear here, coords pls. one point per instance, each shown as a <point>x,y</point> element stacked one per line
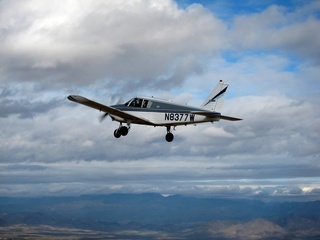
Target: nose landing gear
<point>169,135</point>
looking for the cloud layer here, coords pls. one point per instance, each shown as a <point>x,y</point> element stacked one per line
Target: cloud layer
<point>109,51</point>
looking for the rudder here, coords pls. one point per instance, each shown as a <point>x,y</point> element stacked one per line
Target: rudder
<point>215,100</point>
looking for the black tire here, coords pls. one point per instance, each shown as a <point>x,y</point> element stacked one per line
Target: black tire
<point>124,131</point>
<point>169,137</point>
<point>117,133</point>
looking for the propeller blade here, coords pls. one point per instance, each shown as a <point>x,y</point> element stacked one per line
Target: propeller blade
<point>119,101</point>
<point>102,117</point>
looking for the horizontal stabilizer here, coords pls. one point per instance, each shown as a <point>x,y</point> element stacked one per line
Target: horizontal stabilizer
<point>230,118</point>
<point>206,113</point>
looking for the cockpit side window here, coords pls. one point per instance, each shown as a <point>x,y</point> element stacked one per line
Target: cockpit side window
<point>136,102</point>
<point>145,103</point>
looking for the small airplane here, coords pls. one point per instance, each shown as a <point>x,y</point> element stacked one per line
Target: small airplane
<point>158,112</point>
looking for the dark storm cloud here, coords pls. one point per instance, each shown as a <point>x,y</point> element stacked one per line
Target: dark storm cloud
<point>26,109</point>
<point>29,167</point>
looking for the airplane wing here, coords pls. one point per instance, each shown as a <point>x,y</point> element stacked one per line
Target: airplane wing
<point>216,115</point>
<point>107,109</point>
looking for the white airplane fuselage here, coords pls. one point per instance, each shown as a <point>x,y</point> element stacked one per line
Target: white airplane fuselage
<point>158,112</point>
<point>163,113</point>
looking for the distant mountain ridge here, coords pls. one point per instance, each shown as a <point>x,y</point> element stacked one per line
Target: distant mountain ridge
<point>150,208</point>
<point>201,216</point>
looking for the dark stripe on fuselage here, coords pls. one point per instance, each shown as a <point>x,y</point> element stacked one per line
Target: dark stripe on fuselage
<point>157,110</point>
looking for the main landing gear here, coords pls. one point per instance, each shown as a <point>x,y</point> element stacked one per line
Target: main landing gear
<point>121,131</point>
<point>169,135</point>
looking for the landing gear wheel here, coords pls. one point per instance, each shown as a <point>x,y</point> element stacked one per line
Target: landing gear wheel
<point>117,133</point>
<point>169,137</point>
<point>123,131</point>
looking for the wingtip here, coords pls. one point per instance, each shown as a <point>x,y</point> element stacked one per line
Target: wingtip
<point>71,98</point>
<point>76,98</point>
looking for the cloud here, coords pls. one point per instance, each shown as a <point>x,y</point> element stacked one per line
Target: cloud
<point>111,50</point>
<point>139,42</point>
<point>278,29</point>
<point>26,109</point>
<point>157,176</point>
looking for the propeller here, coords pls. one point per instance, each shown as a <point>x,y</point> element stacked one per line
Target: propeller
<point>102,117</point>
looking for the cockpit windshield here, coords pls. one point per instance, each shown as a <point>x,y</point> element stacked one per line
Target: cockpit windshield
<point>127,103</point>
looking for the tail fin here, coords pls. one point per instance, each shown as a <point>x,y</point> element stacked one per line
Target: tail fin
<point>215,100</point>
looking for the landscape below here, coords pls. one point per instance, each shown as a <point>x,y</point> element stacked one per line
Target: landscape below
<point>153,216</point>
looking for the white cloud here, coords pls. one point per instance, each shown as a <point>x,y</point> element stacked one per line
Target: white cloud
<point>277,29</point>
<point>140,40</point>
<point>110,50</point>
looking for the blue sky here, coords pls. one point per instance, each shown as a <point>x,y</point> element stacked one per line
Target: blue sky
<point>268,51</point>
<point>228,9</point>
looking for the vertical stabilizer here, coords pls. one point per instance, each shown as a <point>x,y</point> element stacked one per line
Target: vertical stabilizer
<point>215,100</point>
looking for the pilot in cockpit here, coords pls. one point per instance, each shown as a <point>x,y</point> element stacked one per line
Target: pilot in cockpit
<point>137,102</point>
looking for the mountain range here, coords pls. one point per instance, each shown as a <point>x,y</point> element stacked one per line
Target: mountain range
<point>132,216</point>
